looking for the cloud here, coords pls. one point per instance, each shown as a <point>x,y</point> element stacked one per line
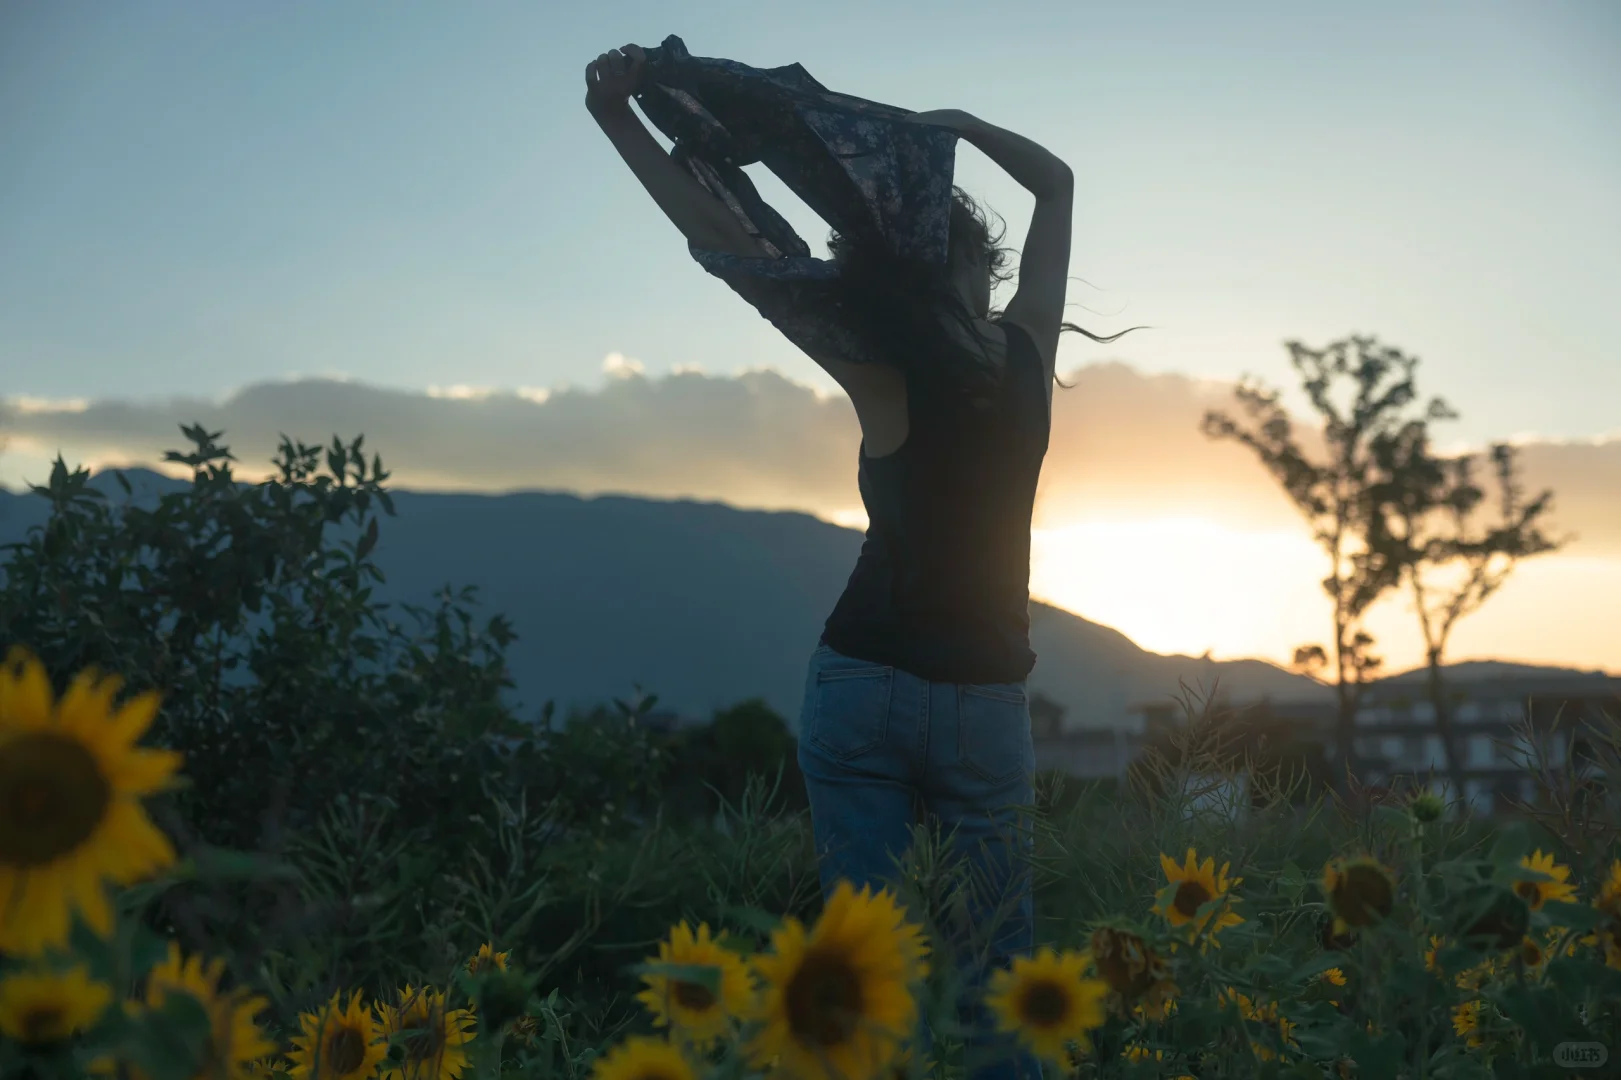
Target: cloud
<point>1123,444</point>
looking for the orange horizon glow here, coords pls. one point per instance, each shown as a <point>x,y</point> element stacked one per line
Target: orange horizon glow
<point>1191,585</point>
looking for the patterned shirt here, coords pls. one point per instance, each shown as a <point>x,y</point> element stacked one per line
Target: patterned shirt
<point>856,163</point>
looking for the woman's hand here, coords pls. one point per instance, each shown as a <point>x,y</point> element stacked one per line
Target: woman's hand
<point>613,77</point>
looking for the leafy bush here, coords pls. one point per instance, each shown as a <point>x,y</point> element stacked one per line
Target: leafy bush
<point>413,818</point>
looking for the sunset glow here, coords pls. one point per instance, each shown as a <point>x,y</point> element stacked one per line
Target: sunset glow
<point>1181,585</point>
<point>1185,585</point>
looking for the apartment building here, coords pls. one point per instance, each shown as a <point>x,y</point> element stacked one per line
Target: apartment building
<point>1506,728</point>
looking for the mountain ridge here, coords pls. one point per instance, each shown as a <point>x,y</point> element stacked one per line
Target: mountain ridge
<point>699,602</point>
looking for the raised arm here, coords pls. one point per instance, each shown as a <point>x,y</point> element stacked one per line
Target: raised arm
<point>1038,304</point>
<point>702,218</point>
<point>1035,168</point>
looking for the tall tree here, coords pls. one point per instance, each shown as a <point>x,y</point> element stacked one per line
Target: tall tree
<point>1364,393</point>
<point>1452,564</point>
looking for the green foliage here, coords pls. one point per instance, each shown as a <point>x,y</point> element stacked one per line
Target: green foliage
<point>413,818</point>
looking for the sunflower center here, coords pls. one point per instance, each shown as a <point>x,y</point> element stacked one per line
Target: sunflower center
<point>694,996</point>
<point>1529,892</point>
<point>1190,897</point>
<point>1363,895</point>
<point>1044,1005</point>
<point>1124,962</point>
<point>426,1042</point>
<point>52,797</point>
<point>346,1050</point>
<point>44,1023</point>
<point>824,1001</point>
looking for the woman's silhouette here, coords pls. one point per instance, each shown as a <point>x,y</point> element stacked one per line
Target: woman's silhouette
<point>915,698</point>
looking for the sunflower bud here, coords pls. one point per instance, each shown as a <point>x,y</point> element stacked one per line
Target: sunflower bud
<point>503,997</point>
<point>1360,891</point>
<point>1427,807</point>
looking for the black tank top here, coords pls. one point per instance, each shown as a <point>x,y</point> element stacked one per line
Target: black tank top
<point>942,587</point>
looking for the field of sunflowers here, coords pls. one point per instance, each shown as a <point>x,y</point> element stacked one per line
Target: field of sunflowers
<point>1423,948</point>
<point>345,871</point>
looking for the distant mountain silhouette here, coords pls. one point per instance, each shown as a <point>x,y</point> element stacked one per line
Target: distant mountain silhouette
<point>700,603</point>
<point>1482,670</point>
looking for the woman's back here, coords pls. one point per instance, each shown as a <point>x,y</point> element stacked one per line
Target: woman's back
<point>942,585</point>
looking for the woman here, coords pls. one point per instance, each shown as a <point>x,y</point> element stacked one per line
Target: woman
<point>915,696</point>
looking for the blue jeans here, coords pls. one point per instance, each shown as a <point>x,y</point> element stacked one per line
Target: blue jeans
<point>878,745</point>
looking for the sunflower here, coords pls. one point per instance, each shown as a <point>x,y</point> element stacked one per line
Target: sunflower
<point>1135,1052</point>
<point>338,1043</point>
<point>642,1058</point>
<point>1608,902</point>
<point>269,1069</point>
<point>1163,1011</point>
<point>902,1069</point>
<point>1608,899</point>
<point>837,1000</point>
<point>1360,891</point>
<point>1331,937</point>
<point>434,1038</point>
<point>1196,885</point>
<point>72,816</point>
<point>1538,893</point>
<point>49,1006</point>
<point>1267,1015</point>
<point>1430,954</point>
<point>1466,1023</point>
<point>699,1014</point>
<point>524,1030</point>
<point>1137,976</point>
<point>1488,970</point>
<point>1332,977</point>
<point>486,957</point>
<point>1532,955</point>
<point>1048,1001</point>
<point>235,1044</point>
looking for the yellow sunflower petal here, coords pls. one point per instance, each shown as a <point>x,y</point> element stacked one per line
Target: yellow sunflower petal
<point>25,693</point>
<point>136,716</point>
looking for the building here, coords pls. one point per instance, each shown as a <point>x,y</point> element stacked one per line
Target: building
<point>1508,729</point>
<point>1088,753</point>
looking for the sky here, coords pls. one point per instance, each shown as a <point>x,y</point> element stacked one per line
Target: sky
<point>401,221</point>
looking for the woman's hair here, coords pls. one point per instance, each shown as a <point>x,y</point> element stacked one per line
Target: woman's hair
<point>897,301</point>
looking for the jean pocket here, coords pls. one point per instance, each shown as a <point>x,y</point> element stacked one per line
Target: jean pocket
<point>993,731</point>
<point>849,714</point>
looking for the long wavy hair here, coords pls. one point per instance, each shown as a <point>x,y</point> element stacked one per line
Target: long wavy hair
<point>897,302</point>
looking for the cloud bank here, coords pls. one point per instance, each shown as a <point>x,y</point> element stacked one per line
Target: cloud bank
<point>1124,444</point>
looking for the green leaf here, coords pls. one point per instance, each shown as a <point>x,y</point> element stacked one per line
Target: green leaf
<point>368,541</point>
<point>1274,966</point>
<point>1567,916</point>
<point>169,1043</point>
<point>1316,966</point>
<point>223,864</point>
<point>752,918</point>
<point>703,975</point>
<point>1392,817</point>
<point>1540,1020</point>
<point>1513,843</point>
<point>1379,1056</point>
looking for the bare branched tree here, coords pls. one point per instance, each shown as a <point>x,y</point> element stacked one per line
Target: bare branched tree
<point>1335,494</point>
<point>1453,564</point>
